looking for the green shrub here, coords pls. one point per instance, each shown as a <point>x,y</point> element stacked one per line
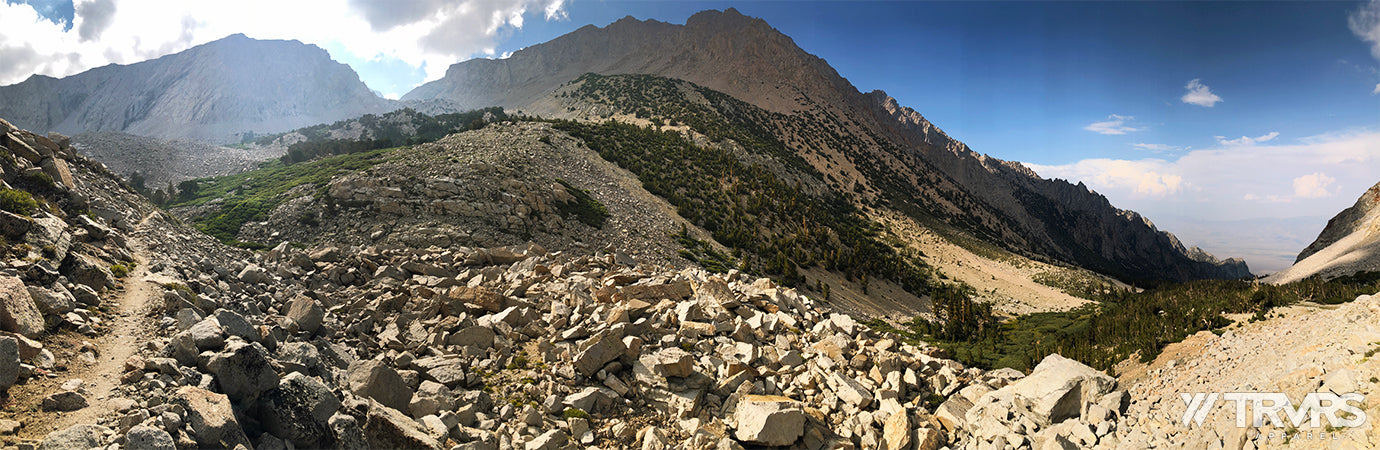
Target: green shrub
<point>575,413</point>
<point>41,179</point>
<point>585,208</point>
<point>250,196</point>
<point>119,270</point>
<point>17,201</point>
<point>309,218</point>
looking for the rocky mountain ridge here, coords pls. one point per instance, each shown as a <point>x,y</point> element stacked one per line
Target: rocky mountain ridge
<point>1350,243</point>
<point>892,152</point>
<point>213,92</point>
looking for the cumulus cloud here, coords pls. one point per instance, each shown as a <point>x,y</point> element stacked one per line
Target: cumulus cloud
<point>1142,178</point>
<point>96,16</point>
<point>384,15</point>
<point>424,34</point>
<point>1199,94</point>
<point>1114,125</point>
<point>1313,185</point>
<point>1244,140</point>
<point>1237,181</point>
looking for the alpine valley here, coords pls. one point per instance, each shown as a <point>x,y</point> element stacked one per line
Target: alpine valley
<point>642,235</point>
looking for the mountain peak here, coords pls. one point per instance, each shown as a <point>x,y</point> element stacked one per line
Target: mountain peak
<point>728,18</point>
<point>210,92</point>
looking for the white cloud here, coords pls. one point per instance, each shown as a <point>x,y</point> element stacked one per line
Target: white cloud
<point>1313,185</point>
<point>1243,140</point>
<point>1157,148</point>
<point>1115,124</point>
<point>1365,24</point>
<point>1199,94</point>
<point>428,34</point>
<point>96,17</point>
<point>556,10</point>
<point>1142,178</point>
<point>1237,181</point>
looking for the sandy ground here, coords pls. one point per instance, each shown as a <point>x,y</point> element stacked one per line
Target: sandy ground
<point>1008,285</point>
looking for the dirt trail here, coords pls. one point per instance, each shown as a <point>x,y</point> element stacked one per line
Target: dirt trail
<point>128,328</point>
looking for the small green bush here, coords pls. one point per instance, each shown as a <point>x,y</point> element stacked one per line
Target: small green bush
<point>575,413</point>
<point>119,270</point>
<point>309,218</point>
<point>39,179</point>
<point>585,208</point>
<point>17,201</point>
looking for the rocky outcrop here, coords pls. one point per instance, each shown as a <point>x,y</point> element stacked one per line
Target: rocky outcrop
<point>210,92</point>
<point>1301,350</point>
<point>1360,216</point>
<point>1350,243</point>
<point>494,188</point>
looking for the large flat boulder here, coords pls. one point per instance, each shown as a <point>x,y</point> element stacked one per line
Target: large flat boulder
<point>389,428</point>
<point>76,437</point>
<point>599,350</point>
<point>211,418</point>
<point>299,411</point>
<point>243,371</point>
<point>18,313</point>
<point>306,313</point>
<point>1059,387</point>
<point>769,420</point>
<point>374,379</point>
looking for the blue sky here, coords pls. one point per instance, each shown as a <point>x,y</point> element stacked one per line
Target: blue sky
<point>1208,117</point>
<point>1022,80</point>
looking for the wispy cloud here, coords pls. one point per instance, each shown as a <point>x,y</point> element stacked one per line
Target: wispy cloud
<point>1365,24</point>
<point>1157,148</point>
<point>1245,140</point>
<point>1114,125</point>
<point>1199,94</point>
